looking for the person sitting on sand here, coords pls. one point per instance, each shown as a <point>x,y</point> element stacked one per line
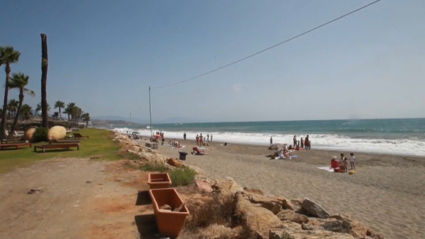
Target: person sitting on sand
<point>334,162</point>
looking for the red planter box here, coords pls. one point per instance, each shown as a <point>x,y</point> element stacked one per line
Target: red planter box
<point>159,180</point>
<point>169,222</point>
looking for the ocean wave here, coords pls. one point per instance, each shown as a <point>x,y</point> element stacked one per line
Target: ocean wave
<point>401,146</point>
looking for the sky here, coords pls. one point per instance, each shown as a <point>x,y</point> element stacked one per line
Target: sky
<point>104,55</point>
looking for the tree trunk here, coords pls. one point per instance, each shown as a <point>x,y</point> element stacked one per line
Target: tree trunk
<point>6,96</point>
<point>44,66</point>
<point>15,121</point>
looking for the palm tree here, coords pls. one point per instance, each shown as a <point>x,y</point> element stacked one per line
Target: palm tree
<point>70,110</point>
<point>7,56</point>
<point>12,107</point>
<point>77,113</point>
<point>39,108</point>
<point>86,118</point>
<point>19,80</point>
<point>44,66</point>
<point>60,104</point>
<point>26,112</point>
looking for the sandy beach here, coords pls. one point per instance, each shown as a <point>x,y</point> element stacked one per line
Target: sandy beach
<point>386,193</point>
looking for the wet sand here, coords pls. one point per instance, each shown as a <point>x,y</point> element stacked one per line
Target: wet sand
<point>386,193</point>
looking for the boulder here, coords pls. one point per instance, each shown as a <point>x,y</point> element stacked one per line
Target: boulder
<point>56,132</point>
<point>29,133</point>
<point>295,231</point>
<point>292,216</point>
<point>286,204</point>
<point>269,203</point>
<point>258,219</point>
<point>314,209</point>
<point>253,190</point>
<point>175,162</point>
<point>227,187</point>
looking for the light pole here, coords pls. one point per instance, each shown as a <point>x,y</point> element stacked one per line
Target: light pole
<point>150,111</point>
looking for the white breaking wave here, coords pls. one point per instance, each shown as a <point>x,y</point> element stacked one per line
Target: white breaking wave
<point>319,141</point>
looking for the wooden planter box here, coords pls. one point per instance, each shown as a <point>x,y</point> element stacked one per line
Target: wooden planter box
<point>159,180</point>
<point>169,222</point>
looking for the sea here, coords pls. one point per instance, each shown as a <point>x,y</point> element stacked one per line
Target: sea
<point>392,136</point>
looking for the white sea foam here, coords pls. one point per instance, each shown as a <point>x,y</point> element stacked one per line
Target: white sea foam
<point>319,141</point>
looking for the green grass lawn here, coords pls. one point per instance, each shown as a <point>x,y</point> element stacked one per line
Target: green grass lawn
<point>100,144</point>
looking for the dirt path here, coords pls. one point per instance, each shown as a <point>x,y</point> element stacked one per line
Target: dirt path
<point>75,198</point>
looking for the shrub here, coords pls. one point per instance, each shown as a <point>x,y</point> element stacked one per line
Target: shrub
<point>182,176</point>
<point>40,134</point>
<point>219,211</point>
<point>154,167</point>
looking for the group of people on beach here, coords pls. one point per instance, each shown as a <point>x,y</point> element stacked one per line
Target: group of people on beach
<point>297,144</point>
<point>202,140</point>
<point>341,165</point>
<point>303,143</point>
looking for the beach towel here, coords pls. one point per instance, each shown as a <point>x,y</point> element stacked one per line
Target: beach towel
<point>326,168</point>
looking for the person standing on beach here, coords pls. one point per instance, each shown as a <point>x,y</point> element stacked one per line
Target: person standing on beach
<point>184,136</point>
<point>197,140</point>
<point>302,142</point>
<point>341,159</point>
<point>352,160</point>
<point>208,138</point>
<point>271,141</point>
<point>295,140</point>
<point>307,143</point>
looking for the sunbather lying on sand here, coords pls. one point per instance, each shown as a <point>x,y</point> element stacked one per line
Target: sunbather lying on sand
<point>198,151</point>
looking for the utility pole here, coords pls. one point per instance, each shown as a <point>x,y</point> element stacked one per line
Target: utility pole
<point>150,111</point>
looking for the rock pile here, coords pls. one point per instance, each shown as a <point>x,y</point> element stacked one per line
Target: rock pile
<point>134,148</point>
<point>278,217</point>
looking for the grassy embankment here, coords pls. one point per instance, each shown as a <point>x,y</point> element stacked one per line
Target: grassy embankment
<point>100,144</point>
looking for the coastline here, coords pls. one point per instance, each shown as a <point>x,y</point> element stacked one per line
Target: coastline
<point>384,193</point>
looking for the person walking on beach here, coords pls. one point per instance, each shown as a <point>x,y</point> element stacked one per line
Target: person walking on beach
<point>352,160</point>
<point>184,136</point>
<point>271,141</point>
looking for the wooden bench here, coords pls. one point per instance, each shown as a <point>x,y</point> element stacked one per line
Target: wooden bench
<point>61,141</point>
<point>56,146</point>
<point>79,136</point>
<point>16,146</point>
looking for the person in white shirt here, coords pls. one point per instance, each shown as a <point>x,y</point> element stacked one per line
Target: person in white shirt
<point>352,160</point>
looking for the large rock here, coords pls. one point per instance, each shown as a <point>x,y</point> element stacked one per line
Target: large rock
<point>271,204</point>
<point>292,216</point>
<point>56,132</point>
<point>286,204</point>
<point>175,162</point>
<point>294,231</point>
<point>258,219</point>
<point>227,187</point>
<point>29,133</point>
<point>314,209</point>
